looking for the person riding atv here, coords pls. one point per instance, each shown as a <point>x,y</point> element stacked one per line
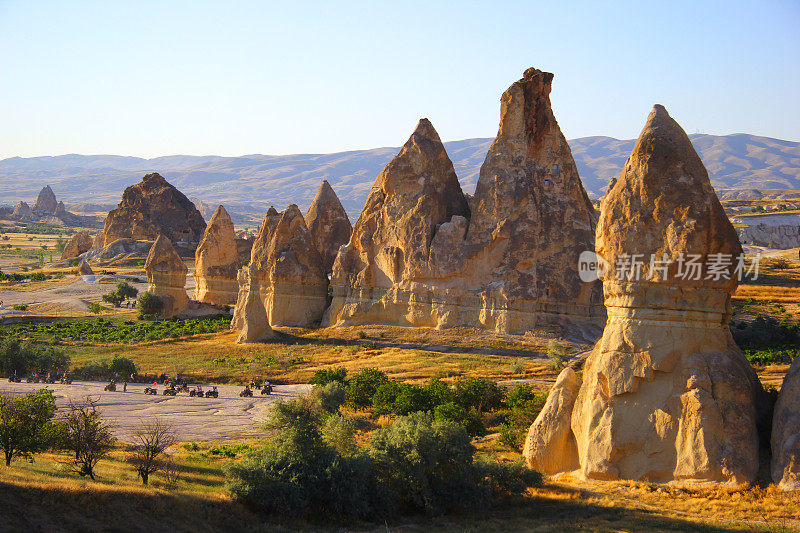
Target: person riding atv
<point>111,387</point>
<point>171,391</point>
<point>267,388</point>
<point>246,393</point>
<point>65,379</point>
<point>213,393</point>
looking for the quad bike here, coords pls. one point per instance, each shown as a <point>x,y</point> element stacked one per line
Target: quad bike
<point>111,387</point>
<point>212,394</point>
<point>32,379</point>
<point>66,380</point>
<point>170,392</point>
<point>49,379</point>
<point>266,390</point>
<point>246,393</point>
<point>184,388</point>
<point>196,392</point>
<point>14,379</point>
<point>150,390</point>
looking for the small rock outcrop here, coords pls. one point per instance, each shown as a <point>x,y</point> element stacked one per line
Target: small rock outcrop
<point>419,256</point>
<point>251,315</point>
<point>84,269</point>
<point>786,432</point>
<point>80,243</point>
<point>217,262</point>
<point>46,203</point>
<point>665,394</point>
<point>166,276</point>
<point>22,211</point>
<point>151,208</point>
<point>328,223</point>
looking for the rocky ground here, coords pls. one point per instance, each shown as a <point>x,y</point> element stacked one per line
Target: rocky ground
<point>193,419</point>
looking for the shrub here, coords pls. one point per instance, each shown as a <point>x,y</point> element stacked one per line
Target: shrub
<point>323,377</point>
<point>339,432</point>
<point>95,308</point>
<point>557,353</point>
<point>452,412</point>
<point>26,424</point>
<point>765,331</point>
<point>362,387</point>
<point>428,465</point>
<point>149,305</point>
<point>151,439</point>
<point>28,358</point>
<point>113,298</point>
<point>20,307</point>
<point>480,394</point>
<point>329,397</point>
<point>95,370</point>
<point>524,405</point>
<point>506,478</point>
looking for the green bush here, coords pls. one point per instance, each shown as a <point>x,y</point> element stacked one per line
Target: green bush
<point>480,394</point>
<point>507,478</point>
<point>764,332</point>
<point>524,405</point>
<point>103,369</point>
<point>28,358</point>
<point>323,377</point>
<point>362,387</point>
<point>339,432</point>
<point>428,465</point>
<point>26,424</point>
<point>328,398</point>
<point>149,305</point>
<point>453,412</point>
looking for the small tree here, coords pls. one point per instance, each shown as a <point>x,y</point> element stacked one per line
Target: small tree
<point>114,298</point>
<point>150,441</point>
<point>87,436</point>
<point>26,424</point>
<point>149,305</point>
<point>126,290</point>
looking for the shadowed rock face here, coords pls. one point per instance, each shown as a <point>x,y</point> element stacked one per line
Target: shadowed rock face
<point>786,432</point>
<point>166,276</point>
<point>151,208</point>
<point>79,243</point>
<point>251,316</point>
<point>46,203</point>
<point>217,261</point>
<point>666,394</point>
<point>22,211</point>
<point>418,256</point>
<point>289,270</point>
<point>328,224</point>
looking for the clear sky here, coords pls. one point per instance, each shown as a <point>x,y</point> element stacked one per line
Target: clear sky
<point>229,78</point>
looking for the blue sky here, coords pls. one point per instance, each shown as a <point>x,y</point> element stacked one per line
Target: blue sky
<point>230,78</point>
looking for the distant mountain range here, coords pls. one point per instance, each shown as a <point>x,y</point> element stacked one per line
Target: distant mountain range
<point>251,183</point>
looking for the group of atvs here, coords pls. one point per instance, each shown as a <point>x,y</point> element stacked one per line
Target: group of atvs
<point>36,378</point>
<point>255,385</point>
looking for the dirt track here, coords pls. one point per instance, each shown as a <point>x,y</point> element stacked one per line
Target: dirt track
<point>193,419</point>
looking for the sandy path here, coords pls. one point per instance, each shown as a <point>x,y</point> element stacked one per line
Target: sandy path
<point>193,419</point>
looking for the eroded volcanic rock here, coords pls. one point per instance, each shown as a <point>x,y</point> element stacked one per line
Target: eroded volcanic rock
<point>251,315</point>
<point>80,243</point>
<point>166,276</point>
<point>289,269</point>
<point>328,223</point>
<point>46,203</point>
<point>22,211</point>
<point>151,208</point>
<point>217,262</point>
<point>786,432</point>
<point>666,393</point>
<point>418,256</point>
<point>84,269</point>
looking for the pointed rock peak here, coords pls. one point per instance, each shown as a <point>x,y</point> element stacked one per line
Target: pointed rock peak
<point>219,216</point>
<point>162,252</point>
<point>663,202</point>
<point>154,179</point>
<point>46,201</point>
<point>424,140</point>
<point>325,194</point>
<point>272,211</point>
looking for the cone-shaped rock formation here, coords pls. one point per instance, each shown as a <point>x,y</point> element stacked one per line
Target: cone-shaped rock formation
<point>251,315</point>
<point>328,223</point>
<point>291,278</point>
<point>151,208</point>
<point>84,269</point>
<point>46,203</point>
<point>666,394</point>
<point>786,432</point>
<point>417,256</point>
<point>166,276</point>
<point>217,261</point>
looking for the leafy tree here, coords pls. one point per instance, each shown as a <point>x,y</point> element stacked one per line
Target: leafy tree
<point>87,436</point>
<point>363,385</point>
<point>481,394</point>
<point>27,357</point>
<point>323,377</point>
<point>328,398</point>
<point>26,424</point>
<point>126,290</point>
<point>149,305</point>
<point>114,298</point>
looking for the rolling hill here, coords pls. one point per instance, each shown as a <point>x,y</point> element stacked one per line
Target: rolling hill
<point>251,183</point>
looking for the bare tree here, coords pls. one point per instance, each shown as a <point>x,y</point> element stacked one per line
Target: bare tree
<point>150,441</point>
<point>87,435</point>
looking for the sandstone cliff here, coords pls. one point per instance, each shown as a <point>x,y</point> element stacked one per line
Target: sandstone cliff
<point>80,243</point>
<point>666,394</point>
<point>328,224</point>
<point>151,208</point>
<point>166,276</point>
<point>46,203</point>
<point>217,261</point>
<point>251,315</point>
